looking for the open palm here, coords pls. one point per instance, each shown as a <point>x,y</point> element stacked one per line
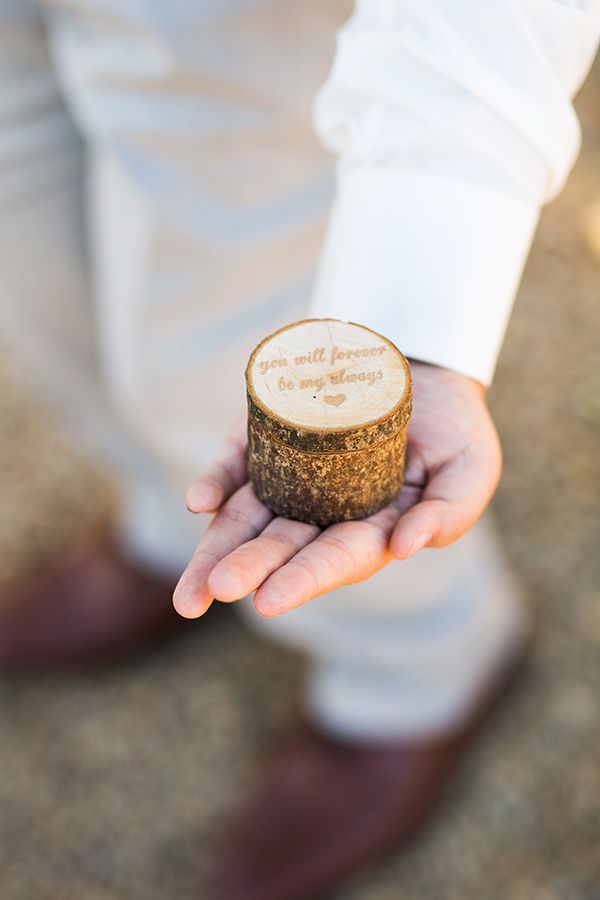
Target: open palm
<point>453,467</point>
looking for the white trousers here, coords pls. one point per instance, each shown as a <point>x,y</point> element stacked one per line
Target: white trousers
<point>162,205</point>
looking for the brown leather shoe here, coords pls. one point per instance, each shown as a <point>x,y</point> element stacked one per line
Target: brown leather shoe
<point>327,807</point>
<point>91,606</point>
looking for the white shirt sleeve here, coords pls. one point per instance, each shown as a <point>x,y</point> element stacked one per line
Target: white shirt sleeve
<point>453,125</point>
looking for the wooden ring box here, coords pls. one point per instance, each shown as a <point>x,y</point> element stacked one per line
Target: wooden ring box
<point>328,408</point>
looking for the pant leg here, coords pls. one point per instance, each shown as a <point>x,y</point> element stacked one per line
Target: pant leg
<point>209,199</point>
<point>408,651</point>
<point>45,317</point>
<point>48,321</point>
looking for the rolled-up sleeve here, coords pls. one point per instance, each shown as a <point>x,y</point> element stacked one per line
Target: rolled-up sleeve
<point>453,124</point>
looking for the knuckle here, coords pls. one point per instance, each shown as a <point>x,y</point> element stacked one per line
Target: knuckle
<point>235,516</point>
<point>308,572</point>
<point>345,558</point>
<point>211,479</point>
<point>279,540</point>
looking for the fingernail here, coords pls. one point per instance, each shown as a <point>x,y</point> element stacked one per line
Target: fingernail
<point>419,542</point>
<point>186,609</point>
<point>269,611</point>
<point>203,496</point>
<point>184,603</point>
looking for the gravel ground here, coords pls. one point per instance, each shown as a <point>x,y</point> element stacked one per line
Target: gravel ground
<point>114,785</point>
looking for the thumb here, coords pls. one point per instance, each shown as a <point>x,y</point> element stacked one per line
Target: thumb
<point>454,497</point>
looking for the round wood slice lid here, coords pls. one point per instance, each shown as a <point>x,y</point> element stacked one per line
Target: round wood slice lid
<point>325,385</point>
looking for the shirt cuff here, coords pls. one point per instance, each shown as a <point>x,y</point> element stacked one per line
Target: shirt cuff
<point>430,262</point>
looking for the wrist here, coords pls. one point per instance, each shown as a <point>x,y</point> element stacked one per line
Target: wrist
<point>429,372</point>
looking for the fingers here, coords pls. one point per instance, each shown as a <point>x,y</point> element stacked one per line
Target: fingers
<point>342,554</point>
<point>453,500</point>
<point>226,474</point>
<point>241,518</point>
<point>243,570</point>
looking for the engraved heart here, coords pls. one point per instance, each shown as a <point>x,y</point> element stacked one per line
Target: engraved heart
<point>334,399</point>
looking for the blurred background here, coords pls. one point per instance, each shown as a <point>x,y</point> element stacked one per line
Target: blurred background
<point>115,784</point>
